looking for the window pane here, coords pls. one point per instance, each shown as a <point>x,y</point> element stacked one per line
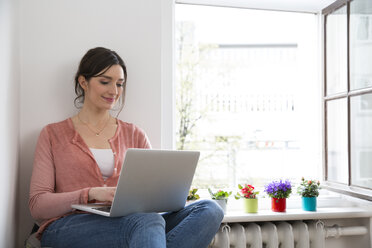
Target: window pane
<point>336,49</point>
<point>337,157</point>
<point>361,140</point>
<point>248,94</point>
<point>360,44</point>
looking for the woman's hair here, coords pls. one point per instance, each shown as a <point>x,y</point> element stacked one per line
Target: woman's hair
<point>93,64</point>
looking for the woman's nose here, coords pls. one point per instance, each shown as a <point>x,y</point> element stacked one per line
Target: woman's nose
<point>113,89</point>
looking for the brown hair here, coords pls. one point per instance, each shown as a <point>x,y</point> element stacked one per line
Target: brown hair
<point>93,64</point>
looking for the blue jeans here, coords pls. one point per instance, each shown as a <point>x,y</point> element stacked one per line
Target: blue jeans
<point>192,227</point>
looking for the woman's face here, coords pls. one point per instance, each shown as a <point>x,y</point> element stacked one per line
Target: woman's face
<point>102,92</point>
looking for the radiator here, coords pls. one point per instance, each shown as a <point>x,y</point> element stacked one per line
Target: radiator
<point>296,234</point>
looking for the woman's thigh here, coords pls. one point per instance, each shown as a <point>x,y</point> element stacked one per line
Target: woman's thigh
<point>90,230</point>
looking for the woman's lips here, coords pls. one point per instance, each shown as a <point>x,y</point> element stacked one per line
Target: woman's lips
<point>108,99</point>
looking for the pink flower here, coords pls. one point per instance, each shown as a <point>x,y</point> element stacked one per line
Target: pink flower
<point>247,191</point>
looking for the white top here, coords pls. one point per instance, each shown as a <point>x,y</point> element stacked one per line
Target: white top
<point>105,160</point>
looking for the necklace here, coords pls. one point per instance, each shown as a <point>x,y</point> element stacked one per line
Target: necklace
<point>92,130</point>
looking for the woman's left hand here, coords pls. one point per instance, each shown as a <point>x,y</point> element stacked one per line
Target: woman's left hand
<point>102,194</point>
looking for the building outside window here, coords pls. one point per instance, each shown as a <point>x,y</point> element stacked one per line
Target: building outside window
<point>248,94</point>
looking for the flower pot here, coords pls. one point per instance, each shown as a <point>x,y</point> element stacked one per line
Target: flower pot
<point>222,204</point>
<point>278,204</point>
<point>309,203</point>
<point>250,205</point>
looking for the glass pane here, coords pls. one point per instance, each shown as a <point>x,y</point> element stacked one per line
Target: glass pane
<point>360,44</point>
<point>336,48</point>
<point>247,95</point>
<point>337,141</point>
<point>361,140</point>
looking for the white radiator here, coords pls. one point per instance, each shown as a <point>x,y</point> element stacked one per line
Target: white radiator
<point>296,234</point>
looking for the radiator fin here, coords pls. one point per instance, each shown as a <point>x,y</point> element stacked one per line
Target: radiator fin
<point>253,235</point>
<point>269,235</point>
<point>237,236</point>
<point>285,235</point>
<point>301,235</point>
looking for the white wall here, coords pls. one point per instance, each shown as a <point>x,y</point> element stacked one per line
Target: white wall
<point>9,112</point>
<point>55,35</point>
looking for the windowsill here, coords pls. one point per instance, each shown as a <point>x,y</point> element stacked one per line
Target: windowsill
<point>325,200</point>
<point>297,214</point>
<point>330,206</point>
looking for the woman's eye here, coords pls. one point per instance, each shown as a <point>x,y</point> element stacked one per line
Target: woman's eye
<point>119,85</point>
<point>102,82</point>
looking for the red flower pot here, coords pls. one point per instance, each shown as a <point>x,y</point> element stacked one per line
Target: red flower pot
<point>278,204</point>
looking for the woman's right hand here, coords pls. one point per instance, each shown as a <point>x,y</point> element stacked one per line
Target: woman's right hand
<point>103,194</point>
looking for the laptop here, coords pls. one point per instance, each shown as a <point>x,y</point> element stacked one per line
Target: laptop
<point>150,181</point>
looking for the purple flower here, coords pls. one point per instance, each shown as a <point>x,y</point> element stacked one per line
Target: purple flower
<point>279,189</point>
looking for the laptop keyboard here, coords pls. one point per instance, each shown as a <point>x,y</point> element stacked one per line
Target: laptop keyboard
<point>104,209</point>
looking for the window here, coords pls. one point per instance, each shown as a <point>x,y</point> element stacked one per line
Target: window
<point>348,96</point>
<point>248,94</point>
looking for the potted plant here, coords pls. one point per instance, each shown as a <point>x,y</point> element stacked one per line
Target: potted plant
<point>192,195</point>
<point>309,190</point>
<point>279,191</point>
<point>220,197</point>
<point>248,194</point>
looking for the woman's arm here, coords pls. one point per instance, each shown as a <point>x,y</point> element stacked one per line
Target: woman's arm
<point>44,203</point>
<point>142,139</point>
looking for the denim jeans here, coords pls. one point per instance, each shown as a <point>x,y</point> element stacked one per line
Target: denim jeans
<point>192,227</point>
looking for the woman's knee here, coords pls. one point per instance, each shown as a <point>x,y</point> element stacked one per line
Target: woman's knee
<point>211,210</point>
<point>154,218</point>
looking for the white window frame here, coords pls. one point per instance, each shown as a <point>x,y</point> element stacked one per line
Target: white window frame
<point>348,189</point>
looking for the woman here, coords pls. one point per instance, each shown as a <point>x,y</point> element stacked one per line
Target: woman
<point>79,159</point>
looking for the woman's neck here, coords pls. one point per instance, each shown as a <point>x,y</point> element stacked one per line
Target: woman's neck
<point>93,117</point>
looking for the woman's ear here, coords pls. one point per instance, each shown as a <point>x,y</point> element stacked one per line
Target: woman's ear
<point>83,83</point>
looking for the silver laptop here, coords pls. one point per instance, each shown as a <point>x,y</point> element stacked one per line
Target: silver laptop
<point>150,181</point>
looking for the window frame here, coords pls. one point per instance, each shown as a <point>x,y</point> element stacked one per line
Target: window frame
<point>349,189</point>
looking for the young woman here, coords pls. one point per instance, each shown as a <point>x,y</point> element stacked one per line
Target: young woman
<point>78,160</point>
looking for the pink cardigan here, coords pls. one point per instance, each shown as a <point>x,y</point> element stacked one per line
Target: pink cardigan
<point>64,168</point>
